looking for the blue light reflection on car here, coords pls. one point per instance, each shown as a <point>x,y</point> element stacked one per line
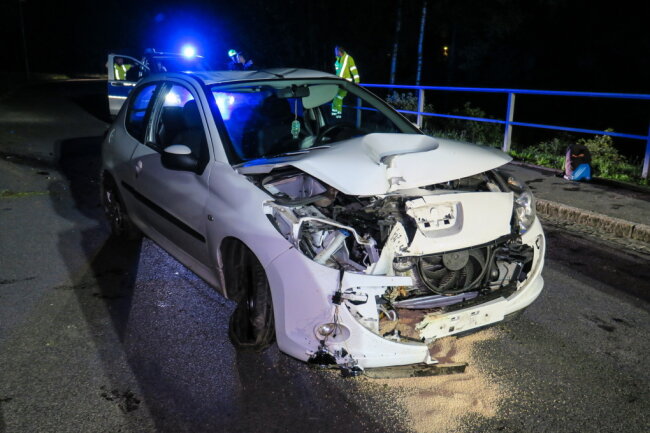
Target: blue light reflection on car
<point>225,103</point>
<point>238,110</point>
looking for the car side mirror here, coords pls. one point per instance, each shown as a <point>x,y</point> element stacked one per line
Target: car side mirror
<point>179,157</point>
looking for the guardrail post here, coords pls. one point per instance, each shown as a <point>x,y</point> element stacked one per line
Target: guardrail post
<point>507,135</point>
<point>358,113</point>
<point>420,107</point>
<point>646,160</point>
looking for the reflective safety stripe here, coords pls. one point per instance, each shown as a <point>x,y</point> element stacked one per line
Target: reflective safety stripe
<point>353,68</point>
<point>345,63</point>
<point>356,76</point>
<point>120,72</point>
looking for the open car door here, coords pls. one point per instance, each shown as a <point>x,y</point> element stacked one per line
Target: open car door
<point>123,73</point>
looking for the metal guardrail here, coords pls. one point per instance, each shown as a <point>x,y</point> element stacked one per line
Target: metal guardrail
<point>509,122</point>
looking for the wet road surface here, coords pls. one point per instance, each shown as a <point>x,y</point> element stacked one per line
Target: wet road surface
<point>102,336</point>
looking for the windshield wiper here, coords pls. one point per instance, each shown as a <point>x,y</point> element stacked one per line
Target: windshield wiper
<point>263,159</point>
<point>299,151</point>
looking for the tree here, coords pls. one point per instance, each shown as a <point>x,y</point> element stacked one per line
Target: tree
<point>421,41</point>
<point>398,26</point>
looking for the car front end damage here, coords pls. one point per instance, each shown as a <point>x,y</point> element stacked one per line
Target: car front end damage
<point>373,280</point>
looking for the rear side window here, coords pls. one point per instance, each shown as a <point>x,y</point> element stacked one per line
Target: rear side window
<point>138,113</point>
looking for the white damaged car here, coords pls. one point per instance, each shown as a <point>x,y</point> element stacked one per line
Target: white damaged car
<point>353,241</point>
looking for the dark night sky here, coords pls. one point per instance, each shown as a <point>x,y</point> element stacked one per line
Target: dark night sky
<point>542,44</point>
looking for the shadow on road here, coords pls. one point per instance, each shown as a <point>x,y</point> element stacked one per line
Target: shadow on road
<point>95,104</point>
<point>161,335</point>
<point>617,268</point>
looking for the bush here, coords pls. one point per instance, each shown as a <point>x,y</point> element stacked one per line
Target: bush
<point>605,159</point>
<point>549,153</point>
<point>409,102</point>
<point>555,146</point>
<point>485,133</point>
<point>405,101</point>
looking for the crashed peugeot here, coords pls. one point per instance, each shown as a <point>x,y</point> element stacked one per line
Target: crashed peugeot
<point>354,241</point>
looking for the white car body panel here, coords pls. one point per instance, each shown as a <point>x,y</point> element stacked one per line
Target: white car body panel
<point>366,165</point>
<point>470,225</point>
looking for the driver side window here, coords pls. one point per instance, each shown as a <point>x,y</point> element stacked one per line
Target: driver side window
<point>179,121</point>
<point>138,112</point>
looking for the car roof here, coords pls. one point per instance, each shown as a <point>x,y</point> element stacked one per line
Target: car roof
<point>225,77</point>
<point>218,77</point>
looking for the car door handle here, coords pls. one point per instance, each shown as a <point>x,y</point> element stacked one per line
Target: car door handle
<point>117,84</point>
<point>138,168</point>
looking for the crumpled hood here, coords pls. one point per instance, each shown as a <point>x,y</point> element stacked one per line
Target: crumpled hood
<point>380,163</point>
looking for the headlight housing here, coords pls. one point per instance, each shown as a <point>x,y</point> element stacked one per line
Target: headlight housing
<point>524,211</point>
<point>296,213</point>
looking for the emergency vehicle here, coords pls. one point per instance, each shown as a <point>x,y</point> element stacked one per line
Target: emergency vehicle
<point>125,71</point>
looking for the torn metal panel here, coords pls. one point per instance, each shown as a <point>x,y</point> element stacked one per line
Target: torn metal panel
<point>435,325</point>
<point>417,370</point>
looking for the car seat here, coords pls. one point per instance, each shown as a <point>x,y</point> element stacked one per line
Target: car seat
<point>193,135</point>
<point>275,130</point>
<point>170,126</point>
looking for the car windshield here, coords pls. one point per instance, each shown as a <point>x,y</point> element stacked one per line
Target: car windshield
<point>274,118</point>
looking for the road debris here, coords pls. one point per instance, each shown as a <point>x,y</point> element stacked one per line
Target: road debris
<point>443,403</point>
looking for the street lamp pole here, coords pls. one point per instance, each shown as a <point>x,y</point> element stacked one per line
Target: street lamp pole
<point>22,31</point>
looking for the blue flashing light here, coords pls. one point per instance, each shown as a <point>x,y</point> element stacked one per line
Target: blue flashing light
<point>188,51</point>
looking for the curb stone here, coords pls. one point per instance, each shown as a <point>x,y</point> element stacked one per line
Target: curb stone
<point>619,227</point>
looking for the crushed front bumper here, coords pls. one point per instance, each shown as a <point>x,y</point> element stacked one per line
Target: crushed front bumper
<point>303,293</point>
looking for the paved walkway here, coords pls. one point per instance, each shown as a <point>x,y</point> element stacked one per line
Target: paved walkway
<point>608,206</point>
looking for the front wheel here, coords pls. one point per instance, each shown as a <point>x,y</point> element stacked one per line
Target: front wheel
<point>252,324</point>
<point>121,225</point>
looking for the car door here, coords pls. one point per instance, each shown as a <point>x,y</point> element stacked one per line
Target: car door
<point>123,73</point>
<point>173,201</point>
<point>123,141</point>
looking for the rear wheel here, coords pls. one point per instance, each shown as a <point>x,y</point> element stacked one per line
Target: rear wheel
<point>121,224</point>
<point>252,325</point>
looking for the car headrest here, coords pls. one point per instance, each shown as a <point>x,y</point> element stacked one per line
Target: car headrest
<point>191,115</point>
<point>276,108</point>
<point>172,117</point>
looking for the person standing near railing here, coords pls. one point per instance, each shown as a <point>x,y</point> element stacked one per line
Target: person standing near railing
<point>345,68</point>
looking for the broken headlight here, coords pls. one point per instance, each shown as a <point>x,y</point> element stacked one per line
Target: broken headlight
<point>298,189</point>
<point>301,212</point>
<point>524,206</point>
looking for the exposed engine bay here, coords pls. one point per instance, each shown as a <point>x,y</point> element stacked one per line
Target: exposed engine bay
<point>408,233</point>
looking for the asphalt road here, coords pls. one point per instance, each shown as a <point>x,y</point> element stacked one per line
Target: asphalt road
<point>101,336</point>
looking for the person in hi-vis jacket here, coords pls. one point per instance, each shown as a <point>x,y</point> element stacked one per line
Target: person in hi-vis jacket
<point>345,68</point>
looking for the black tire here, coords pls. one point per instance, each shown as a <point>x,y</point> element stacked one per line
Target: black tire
<point>252,325</point>
<point>121,225</point>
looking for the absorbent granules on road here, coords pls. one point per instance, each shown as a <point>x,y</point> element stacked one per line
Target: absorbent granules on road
<point>443,404</point>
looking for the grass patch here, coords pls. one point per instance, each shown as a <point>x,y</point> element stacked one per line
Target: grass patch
<point>6,193</point>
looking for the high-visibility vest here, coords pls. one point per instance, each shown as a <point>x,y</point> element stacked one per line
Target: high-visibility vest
<point>345,68</point>
<point>120,71</point>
